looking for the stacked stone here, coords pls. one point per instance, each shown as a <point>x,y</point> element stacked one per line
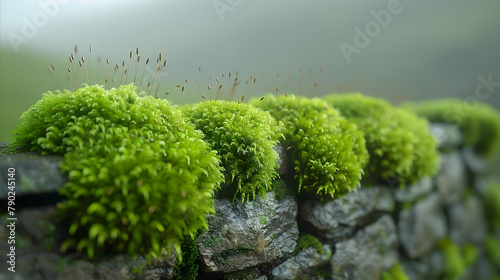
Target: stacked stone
<point>363,236</point>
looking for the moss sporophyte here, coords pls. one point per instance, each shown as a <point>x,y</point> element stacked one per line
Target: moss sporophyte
<point>140,177</point>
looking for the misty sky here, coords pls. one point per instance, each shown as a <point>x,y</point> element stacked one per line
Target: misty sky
<point>426,49</point>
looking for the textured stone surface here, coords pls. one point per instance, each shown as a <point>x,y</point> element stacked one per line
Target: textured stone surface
<point>451,179</point>
<point>422,226</point>
<point>242,235</point>
<point>467,222</point>
<point>338,219</point>
<point>122,267</point>
<point>413,192</point>
<point>34,174</point>
<point>447,135</point>
<point>371,250</point>
<point>302,264</point>
<point>475,163</point>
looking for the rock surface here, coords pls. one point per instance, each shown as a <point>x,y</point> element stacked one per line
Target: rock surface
<point>452,178</point>
<point>243,235</point>
<point>34,174</point>
<point>447,135</point>
<point>371,250</point>
<point>302,264</point>
<point>422,226</point>
<point>339,219</point>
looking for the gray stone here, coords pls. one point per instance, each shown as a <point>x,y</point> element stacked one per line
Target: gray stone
<point>247,274</point>
<point>481,269</point>
<point>34,174</point>
<point>413,192</point>
<point>302,264</point>
<point>475,163</point>
<point>451,179</point>
<point>447,135</point>
<point>415,270</point>
<point>422,226</point>
<point>82,270</point>
<point>467,222</point>
<point>243,235</point>
<point>282,161</point>
<point>338,219</point>
<point>38,222</point>
<point>46,264</point>
<point>122,268</point>
<point>365,256</point>
<point>435,263</point>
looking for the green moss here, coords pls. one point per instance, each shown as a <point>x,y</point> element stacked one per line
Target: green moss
<point>305,241</point>
<point>244,138</point>
<point>399,143</point>
<point>454,263</point>
<point>329,152</point>
<point>470,254</point>
<point>187,266</point>
<point>139,175</point>
<point>491,203</point>
<point>395,273</point>
<point>479,122</point>
<point>492,245</point>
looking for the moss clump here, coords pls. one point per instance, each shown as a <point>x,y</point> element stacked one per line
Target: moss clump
<point>329,152</point>
<point>187,267</point>
<point>244,138</point>
<point>479,122</point>
<point>454,262</point>
<point>139,175</point>
<point>305,241</point>
<point>491,202</point>
<point>395,273</point>
<point>399,143</point>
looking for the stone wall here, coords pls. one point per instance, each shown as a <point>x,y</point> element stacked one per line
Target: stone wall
<point>435,229</point>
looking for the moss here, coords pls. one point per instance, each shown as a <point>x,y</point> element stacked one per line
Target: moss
<point>187,266</point>
<point>305,241</point>
<point>395,273</point>
<point>244,138</point>
<point>139,175</point>
<point>479,122</point>
<point>329,152</point>
<point>470,254</point>
<point>454,262</point>
<point>399,143</point>
<point>491,203</point>
<point>492,246</point>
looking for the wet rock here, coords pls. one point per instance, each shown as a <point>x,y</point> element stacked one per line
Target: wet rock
<point>467,222</point>
<point>302,264</point>
<point>422,226</point>
<point>475,163</point>
<point>447,135</point>
<point>123,268</point>
<point>481,269</point>
<point>415,270</point>
<point>371,251</point>
<point>247,274</point>
<point>338,219</point>
<point>415,191</point>
<point>34,174</point>
<point>451,179</point>
<point>243,235</point>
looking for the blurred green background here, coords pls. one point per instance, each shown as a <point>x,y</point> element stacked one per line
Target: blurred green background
<point>427,49</point>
